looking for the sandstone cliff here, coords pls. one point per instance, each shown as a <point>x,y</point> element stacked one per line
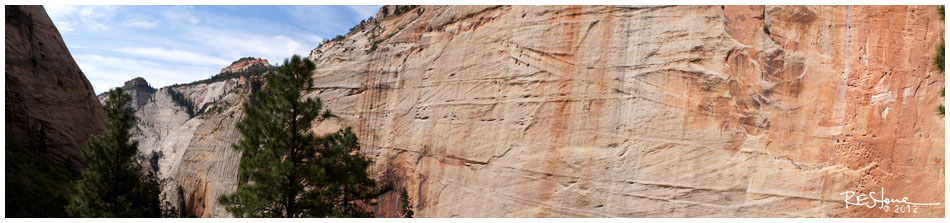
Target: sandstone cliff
<point>610,111</point>
<point>49,102</point>
<point>137,82</point>
<point>50,111</point>
<point>685,111</point>
<point>244,64</point>
<point>138,88</point>
<point>192,150</point>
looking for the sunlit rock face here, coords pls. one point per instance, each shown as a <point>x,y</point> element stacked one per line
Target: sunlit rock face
<point>192,151</point>
<point>244,64</point>
<point>660,111</point>
<point>609,111</point>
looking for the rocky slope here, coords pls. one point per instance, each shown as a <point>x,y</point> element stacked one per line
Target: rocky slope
<point>49,102</point>
<point>609,111</point>
<point>192,150</point>
<point>187,130</point>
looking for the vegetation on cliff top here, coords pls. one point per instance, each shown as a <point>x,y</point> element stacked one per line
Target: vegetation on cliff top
<point>252,71</point>
<point>287,171</point>
<point>940,10</point>
<point>145,88</point>
<point>398,9</point>
<point>244,59</point>
<point>939,63</point>
<point>373,37</point>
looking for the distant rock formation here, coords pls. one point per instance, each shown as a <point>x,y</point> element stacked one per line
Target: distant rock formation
<point>190,128</point>
<point>244,64</point>
<point>138,88</point>
<point>137,82</point>
<point>49,102</point>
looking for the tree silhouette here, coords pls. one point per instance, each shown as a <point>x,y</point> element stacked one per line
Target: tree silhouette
<point>115,184</point>
<point>285,170</point>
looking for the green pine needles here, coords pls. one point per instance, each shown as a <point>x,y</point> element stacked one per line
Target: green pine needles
<point>939,58</point>
<point>115,184</point>
<point>285,170</point>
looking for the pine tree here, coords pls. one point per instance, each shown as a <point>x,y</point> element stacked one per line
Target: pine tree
<point>115,183</point>
<point>285,170</point>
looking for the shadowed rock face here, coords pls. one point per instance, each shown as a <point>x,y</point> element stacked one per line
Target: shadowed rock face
<point>138,88</point>
<point>49,102</point>
<point>602,111</point>
<point>137,82</point>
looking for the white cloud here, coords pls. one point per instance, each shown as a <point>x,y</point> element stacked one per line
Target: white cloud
<point>64,26</point>
<point>240,44</point>
<point>142,24</point>
<point>59,14</point>
<point>315,39</point>
<point>68,18</point>
<point>180,56</point>
<point>180,44</point>
<point>59,11</point>
<point>365,11</point>
<point>106,72</point>
<point>96,17</point>
<point>181,14</point>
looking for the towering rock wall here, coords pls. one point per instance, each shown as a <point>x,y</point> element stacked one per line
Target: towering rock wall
<point>49,102</point>
<point>207,167</point>
<point>660,111</point>
<point>611,111</point>
<point>193,151</point>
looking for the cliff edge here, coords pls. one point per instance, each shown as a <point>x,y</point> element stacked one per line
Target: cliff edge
<point>49,102</point>
<point>50,108</point>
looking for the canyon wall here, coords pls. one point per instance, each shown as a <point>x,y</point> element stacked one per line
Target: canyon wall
<point>49,102</point>
<point>193,150</point>
<point>658,111</point>
<point>609,111</point>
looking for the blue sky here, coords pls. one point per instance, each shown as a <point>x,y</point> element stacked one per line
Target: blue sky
<point>179,44</point>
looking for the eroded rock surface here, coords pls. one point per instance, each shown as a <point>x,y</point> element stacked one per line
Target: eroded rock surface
<point>610,111</point>
<point>49,101</point>
<point>659,111</point>
<point>192,152</point>
<point>244,64</point>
